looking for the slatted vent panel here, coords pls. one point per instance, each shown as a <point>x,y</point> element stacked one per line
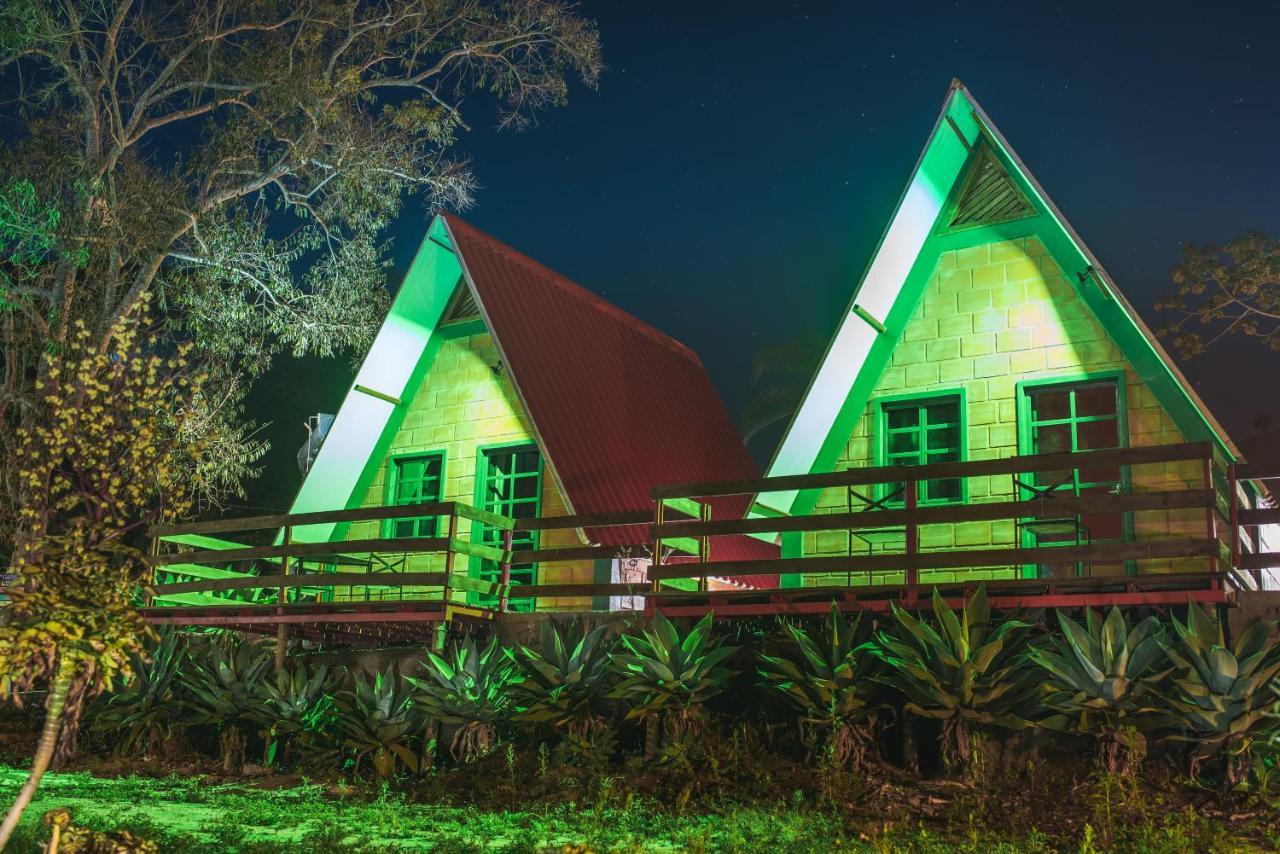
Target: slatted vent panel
<point>989,196</point>
<point>462,305</point>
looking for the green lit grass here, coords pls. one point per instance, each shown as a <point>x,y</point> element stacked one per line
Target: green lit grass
<point>186,814</point>
<point>189,814</point>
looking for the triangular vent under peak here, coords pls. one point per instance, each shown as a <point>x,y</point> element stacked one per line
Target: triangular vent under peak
<point>462,305</point>
<point>989,195</point>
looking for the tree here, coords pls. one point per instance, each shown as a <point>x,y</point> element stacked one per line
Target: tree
<point>103,455</point>
<point>240,160</point>
<point>1219,290</point>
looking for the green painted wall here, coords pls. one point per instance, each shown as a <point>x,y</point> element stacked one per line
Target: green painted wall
<point>993,315</point>
<point>461,406</point>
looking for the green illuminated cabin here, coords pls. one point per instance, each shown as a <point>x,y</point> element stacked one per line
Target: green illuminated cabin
<point>984,328</point>
<point>498,383</point>
<point>983,339</point>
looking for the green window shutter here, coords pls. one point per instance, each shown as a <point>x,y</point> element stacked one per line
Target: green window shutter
<point>920,431</point>
<point>416,480</point>
<point>510,485</point>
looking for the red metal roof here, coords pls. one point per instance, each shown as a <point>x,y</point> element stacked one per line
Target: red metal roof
<point>617,406</point>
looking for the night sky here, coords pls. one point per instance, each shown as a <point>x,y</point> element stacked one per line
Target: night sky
<point>730,177</point>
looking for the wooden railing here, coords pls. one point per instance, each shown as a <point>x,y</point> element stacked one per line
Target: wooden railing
<point>1249,551</point>
<point>1205,491</point>
<point>1191,481</point>
<point>291,560</point>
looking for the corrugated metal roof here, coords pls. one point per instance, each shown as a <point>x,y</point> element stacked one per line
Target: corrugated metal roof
<point>617,406</point>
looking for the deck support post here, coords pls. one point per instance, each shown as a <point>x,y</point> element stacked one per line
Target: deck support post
<point>1211,520</point>
<point>504,579</point>
<point>655,584</point>
<point>910,500</point>
<point>282,628</point>
<point>704,544</point>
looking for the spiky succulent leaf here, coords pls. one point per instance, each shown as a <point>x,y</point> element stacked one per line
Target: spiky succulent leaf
<point>468,685</point>
<point>566,689</point>
<point>375,721</point>
<point>145,711</point>
<point>971,668</point>
<point>661,672</point>
<point>1219,697</point>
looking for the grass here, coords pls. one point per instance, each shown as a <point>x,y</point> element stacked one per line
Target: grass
<point>194,814</point>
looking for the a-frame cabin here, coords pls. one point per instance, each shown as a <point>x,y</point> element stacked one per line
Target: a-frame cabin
<point>498,383</point>
<point>983,328</point>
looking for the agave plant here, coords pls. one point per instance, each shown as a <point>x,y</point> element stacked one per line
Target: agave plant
<point>666,679</point>
<point>142,714</point>
<point>1219,695</point>
<point>828,679</point>
<point>223,690</point>
<point>564,680</point>
<point>968,671</point>
<point>298,707</point>
<point>469,691</point>
<point>1101,677</point>
<point>376,720</point>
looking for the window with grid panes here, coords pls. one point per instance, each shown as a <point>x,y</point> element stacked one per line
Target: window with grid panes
<point>416,480</point>
<point>511,486</point>
<point>1082,416</point>
<point>916,432</point>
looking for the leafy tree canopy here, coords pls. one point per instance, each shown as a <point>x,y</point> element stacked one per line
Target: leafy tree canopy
<point>1220,290</point>
<point>241,160</point>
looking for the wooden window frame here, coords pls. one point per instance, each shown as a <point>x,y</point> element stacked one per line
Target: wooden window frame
<point>394,462</point>
<point>922,400</point>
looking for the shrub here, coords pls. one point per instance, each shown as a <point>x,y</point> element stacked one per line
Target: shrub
<point>564,682</point>
<point>223,688</point>
<point>1218,698</point>
<point>1101,677</point>
<point>968,671</point>
<point>376,720</point>
<point>666,679</point>
<point>297,709</point>
<point>142,713</point>
<point>468,690</point>
<point>828,679</point>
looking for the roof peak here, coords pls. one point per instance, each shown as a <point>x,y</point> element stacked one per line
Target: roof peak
<point>560,280</point>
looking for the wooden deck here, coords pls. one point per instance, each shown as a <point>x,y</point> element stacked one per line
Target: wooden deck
<point>351,592</point>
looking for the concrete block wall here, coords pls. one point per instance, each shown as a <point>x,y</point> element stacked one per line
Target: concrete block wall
<point>994,315</point>
<point>462,406</point>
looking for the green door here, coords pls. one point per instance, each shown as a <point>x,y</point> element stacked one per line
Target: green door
<point>510,485</point>
<point>1069,417</point>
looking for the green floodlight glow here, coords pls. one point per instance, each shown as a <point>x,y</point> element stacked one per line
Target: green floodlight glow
<point>940,164</point>
<point>386,377</point>
<point>894,282</point>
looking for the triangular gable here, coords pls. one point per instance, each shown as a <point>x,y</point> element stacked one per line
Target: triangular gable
<point>615,406</point>
<point>988,195</point>
<point>892,285</point>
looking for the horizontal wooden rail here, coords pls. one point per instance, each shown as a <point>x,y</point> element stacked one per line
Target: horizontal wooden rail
<point>317,579</point>
<point>1260,560</point>
<point>1189,451</point>
<point>1260,516</point>
<point>952,559</point>
<point>403,545</point>
<point>319,517</point>
<point>1258,471</point>
<point>568,553</point>
<point>598,520</point>
<point>1036,508</point>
